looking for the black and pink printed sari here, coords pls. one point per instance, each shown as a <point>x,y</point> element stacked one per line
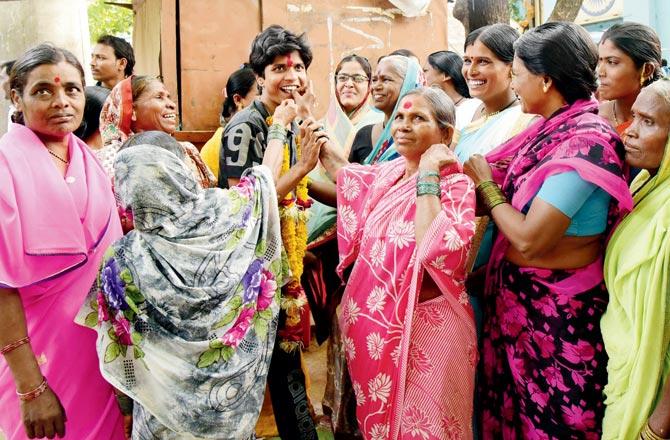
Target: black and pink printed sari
<point>543,362</point>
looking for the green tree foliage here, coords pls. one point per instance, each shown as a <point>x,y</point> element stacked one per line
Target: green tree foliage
<point>109,19</point>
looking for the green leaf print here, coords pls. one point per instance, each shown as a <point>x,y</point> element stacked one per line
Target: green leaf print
<point>215,343</point>
<point>261,327</point>
<point>137,352</point>
<point>126,276</point>
<point>209,357</point>
<point>134,293</point>
<point>91,320</point>
<point>136,338</point>
<point>261,247</point>
<point>112,334</point>
<point>112,352</point>
<point>227,353</point>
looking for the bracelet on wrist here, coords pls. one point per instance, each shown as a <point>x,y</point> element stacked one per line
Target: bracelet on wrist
<point>14,345</point>
<point>428,188</point>
<point>648,434</point>
<point>34,393</point>
<point>424,174</point>
<point>491,194</point>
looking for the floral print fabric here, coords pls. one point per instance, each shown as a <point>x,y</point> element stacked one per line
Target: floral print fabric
<point>542,356</point>
<point>401,355</point>
<point>186,304</point>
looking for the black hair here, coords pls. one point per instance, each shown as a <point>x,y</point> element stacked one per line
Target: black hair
<point>451,64</point>
<point>275,41</point>
<point>95,98</point>
<point>240,83</point>
<point>498,38</point>
<point>362,61</point>
<point>664,62</point>
<point>564,52</point>
<point>45,53</point>
<point>7,66</point>
<point>157,139</point>
<point>122,49</point>
<point>640,43</point>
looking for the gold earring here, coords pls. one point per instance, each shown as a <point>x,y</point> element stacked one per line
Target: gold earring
<point>545,87</point>
<point>642,79</point>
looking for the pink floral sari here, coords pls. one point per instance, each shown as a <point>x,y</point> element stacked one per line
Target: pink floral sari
<point>543,360</point>
<point>412,364</point>
<point>53,233</point>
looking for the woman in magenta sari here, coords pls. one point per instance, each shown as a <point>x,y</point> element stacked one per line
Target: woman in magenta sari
<point>57,217</point>
<point>562,190</point>
<point>404,230</point>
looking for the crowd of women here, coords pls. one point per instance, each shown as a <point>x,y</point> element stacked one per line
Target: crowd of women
<point>480,240</point>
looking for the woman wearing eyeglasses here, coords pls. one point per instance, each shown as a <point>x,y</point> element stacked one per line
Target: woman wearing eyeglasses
<point>348,112</point>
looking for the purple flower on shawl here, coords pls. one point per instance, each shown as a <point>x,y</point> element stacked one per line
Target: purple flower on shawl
<point>576,417</point>
<point>578,353</point>
<point>245,187</point>
<point>122,330</point>
<point>268,289</point>
<point>113,286</point>
<point>251,281</point>
<point>236,333</point>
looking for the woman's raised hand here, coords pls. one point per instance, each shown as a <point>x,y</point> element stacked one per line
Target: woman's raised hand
<point>312,138</point>
<point>478,169</point>
<point>437,157</point>
<point>44,416</point>
<point>285,112</point>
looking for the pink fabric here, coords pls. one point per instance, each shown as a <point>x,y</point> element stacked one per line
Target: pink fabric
<point>53,233</point>
<point>412,365</point>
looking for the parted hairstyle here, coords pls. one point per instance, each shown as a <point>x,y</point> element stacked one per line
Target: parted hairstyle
<point>640,43</point>
<point>240,83</point>
<point>564,52</point>
<point>122,49</point>
<point>498,38</point>
<point>441,105</point>
<point>451,64</point>
<point>275,41</point>
<point>362,61</point>
<point>138,83</point>
<point>45,53</point>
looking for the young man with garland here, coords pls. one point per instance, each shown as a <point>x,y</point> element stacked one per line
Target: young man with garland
<point>280,60</point>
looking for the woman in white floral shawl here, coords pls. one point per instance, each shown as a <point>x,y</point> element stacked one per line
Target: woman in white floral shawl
<point>186,305</point>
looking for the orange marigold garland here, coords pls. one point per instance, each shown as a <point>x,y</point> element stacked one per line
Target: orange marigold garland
<point>293,213</point>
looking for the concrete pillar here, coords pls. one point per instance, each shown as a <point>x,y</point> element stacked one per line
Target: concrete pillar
<point>26,23</point>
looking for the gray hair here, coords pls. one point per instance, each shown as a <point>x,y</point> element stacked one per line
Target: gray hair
<point>399,64</point>
<point>441,105</point>
<point>662,88</point>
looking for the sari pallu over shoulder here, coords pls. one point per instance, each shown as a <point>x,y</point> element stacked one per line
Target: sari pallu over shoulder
<point>539,343</point>
<point>376,212</point>
<point>636,325</point>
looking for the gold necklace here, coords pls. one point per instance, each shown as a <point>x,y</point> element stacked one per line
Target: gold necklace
<point>487,116</point>
<point>58,157</point>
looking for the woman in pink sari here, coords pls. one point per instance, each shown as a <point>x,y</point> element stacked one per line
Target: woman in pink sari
<point>57,217</point>
<point>555,192</point>
<point>406,228</point>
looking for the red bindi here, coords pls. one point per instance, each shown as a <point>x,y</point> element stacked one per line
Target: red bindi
<point>57,79</point>
<point>289,61</point>
<point>407,104</point>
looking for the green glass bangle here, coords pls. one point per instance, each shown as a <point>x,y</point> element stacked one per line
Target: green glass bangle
<point>424,174</point>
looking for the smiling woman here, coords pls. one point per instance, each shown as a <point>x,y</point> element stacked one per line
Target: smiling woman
<point>137,104</point>
<point>52,243</point>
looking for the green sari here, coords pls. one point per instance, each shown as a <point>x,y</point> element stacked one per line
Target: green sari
<point>636,325</point>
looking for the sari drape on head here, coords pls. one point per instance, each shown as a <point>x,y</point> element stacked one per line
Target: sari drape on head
<point>411,364</point>
<point>187,303</point>
<point>53,233</point>
<point>383,150</point>
<point>543,360</point>
<point>636,325</point>
<point>115,129</point>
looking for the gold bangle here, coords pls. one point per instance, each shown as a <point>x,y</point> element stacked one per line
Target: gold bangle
<point>491,194</point>
<point>14,345</point>
<point>35,393</point>
<point>648,434</point>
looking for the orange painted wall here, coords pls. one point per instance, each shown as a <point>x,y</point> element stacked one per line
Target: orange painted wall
<point>215,37</point>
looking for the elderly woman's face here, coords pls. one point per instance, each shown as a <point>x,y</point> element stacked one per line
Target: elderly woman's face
<point>646,138</point>
<point>415,128</point>
<point>53,100</point>
<point>386,85</point>
<point>154,110</point>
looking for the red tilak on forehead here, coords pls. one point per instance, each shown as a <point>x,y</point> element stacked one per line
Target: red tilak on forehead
<point>57,79</point>
<point>289,61</point>
<point>407,104</point>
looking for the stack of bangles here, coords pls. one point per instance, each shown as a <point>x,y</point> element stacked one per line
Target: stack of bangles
<point>277,131</point>
<point>491,194</point>
<point>648,434</point>
<point>430,187</point>
<point>41,388</point>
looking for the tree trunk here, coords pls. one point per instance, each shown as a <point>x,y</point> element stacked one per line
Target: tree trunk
<point>565,10</point>
<point>481,13</point>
